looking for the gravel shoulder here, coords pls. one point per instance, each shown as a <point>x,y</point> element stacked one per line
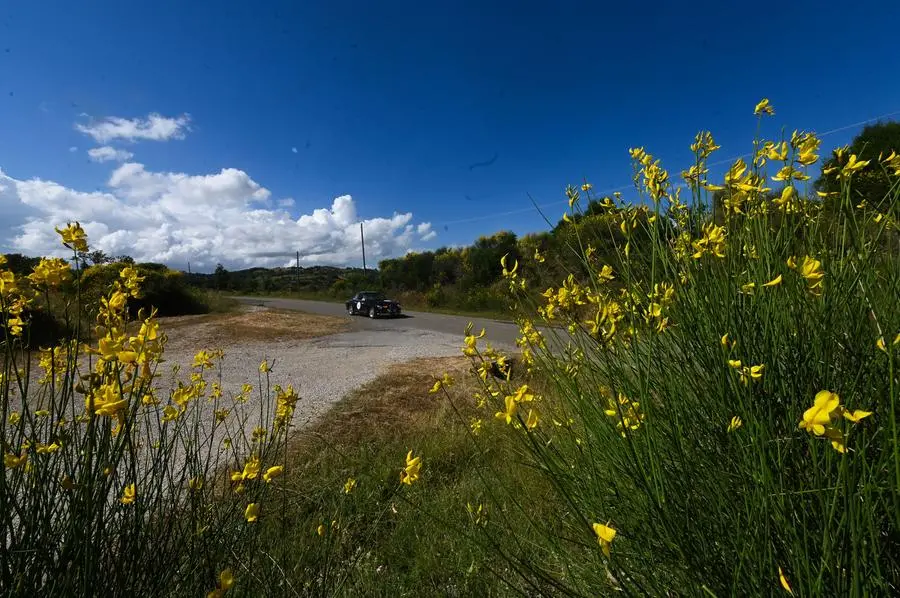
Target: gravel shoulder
<point>304,351</point>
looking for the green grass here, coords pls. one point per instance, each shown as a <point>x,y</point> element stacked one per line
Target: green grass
<point>391,539</point>
<point>216,302</point>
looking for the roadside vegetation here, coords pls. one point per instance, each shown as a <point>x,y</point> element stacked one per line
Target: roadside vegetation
<point>58,314</point>
<point>704,403</point>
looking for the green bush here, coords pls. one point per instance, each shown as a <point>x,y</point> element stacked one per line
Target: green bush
<point>485,299</point>
<point>115,482</point>
<point>164,289</point>
<point>720,409</point>
<point>435,297</point>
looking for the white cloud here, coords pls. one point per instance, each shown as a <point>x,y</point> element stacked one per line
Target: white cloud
<point>175,218</point>
<point>287,202</point>
<point>155,128</point>
<point>73,149</point>
<point>107,154</point>
<point>424,231</point>
<point>294,150</point>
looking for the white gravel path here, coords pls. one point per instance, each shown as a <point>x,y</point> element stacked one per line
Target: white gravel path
<point>325,369</point>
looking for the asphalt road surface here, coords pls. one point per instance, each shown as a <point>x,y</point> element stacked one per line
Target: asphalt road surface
<point>498,333</point>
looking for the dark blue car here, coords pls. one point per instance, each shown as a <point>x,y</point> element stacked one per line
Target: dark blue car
<point>372,304</point>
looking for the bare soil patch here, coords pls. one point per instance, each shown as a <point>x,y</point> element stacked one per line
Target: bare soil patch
<point>251,325</point>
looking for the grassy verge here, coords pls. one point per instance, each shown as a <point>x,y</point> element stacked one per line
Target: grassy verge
<point>216,302</point>
<point>387,539</point>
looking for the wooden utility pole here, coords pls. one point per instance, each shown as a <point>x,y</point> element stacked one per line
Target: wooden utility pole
<point>362,240</point>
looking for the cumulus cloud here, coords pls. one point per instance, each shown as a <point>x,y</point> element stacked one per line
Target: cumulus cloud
<point>109,154</point>
<point>176,218</point>
<point>154,128</point>
<point>424,231</point>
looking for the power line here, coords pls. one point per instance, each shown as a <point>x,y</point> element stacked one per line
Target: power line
<point>631,185</point>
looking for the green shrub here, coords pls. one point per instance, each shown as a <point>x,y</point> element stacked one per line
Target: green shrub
<point>485,299</point>
<point>719,410</point>
<point>114,483</point>
<point>435,297</point>
<point>164,289</point>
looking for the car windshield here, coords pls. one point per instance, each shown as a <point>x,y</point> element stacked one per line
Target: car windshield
<point>372,296</point>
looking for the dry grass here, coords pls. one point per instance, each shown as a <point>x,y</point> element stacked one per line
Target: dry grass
<point>215,330</point>
<point>396,400</point>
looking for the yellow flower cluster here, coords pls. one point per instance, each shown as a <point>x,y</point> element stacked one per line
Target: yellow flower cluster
<point>662,296</point>
<point>845,169</point>
<point>764,108</point>
<point>53,362</point>
<point>882,346</point>
<point>511,405</point>
<point>818,419</point>
<point>251,471</point>
<point>563,300</point>
<point>605,536</point>
<point>711,243</point>
<point>891,163</point>
<point>285,404</point>
<point>655,177</point>
<point>74,237</point>
<point>748,373</point>
<point>14,300</point>
<point>529,340</point>
<point>51,273</point>
<point>410,473</point>
<point>627,413</point>
<point>471,341</point>
<point>811,270</point>
<point>511,274</point>
<point>742,186</point>
<point>226,581</point>
<point>441,383</point>
<point>605,323</point>
<point>129,494</point>
<point>477,513</point>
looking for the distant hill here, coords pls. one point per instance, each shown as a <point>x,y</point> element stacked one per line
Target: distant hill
<point>269,280</point>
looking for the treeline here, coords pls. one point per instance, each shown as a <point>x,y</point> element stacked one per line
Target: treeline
<point>471,278</point>
<point>468,278</point>
<point>276,281</point>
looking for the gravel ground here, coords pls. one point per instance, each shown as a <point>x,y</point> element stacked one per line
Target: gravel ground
<point>323,369</point>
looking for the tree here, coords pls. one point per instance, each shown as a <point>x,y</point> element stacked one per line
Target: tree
<point>483,258</point>
<point>447,267</point>
<point>97,257</point>
<point>418,270</point>
<point>870,183</point>
<point>21,265</point>
<point>221,277</point>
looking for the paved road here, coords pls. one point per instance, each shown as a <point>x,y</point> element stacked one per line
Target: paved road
<point>498,333</point>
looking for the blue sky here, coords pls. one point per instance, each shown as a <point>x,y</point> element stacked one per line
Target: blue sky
<point>397,104</point>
